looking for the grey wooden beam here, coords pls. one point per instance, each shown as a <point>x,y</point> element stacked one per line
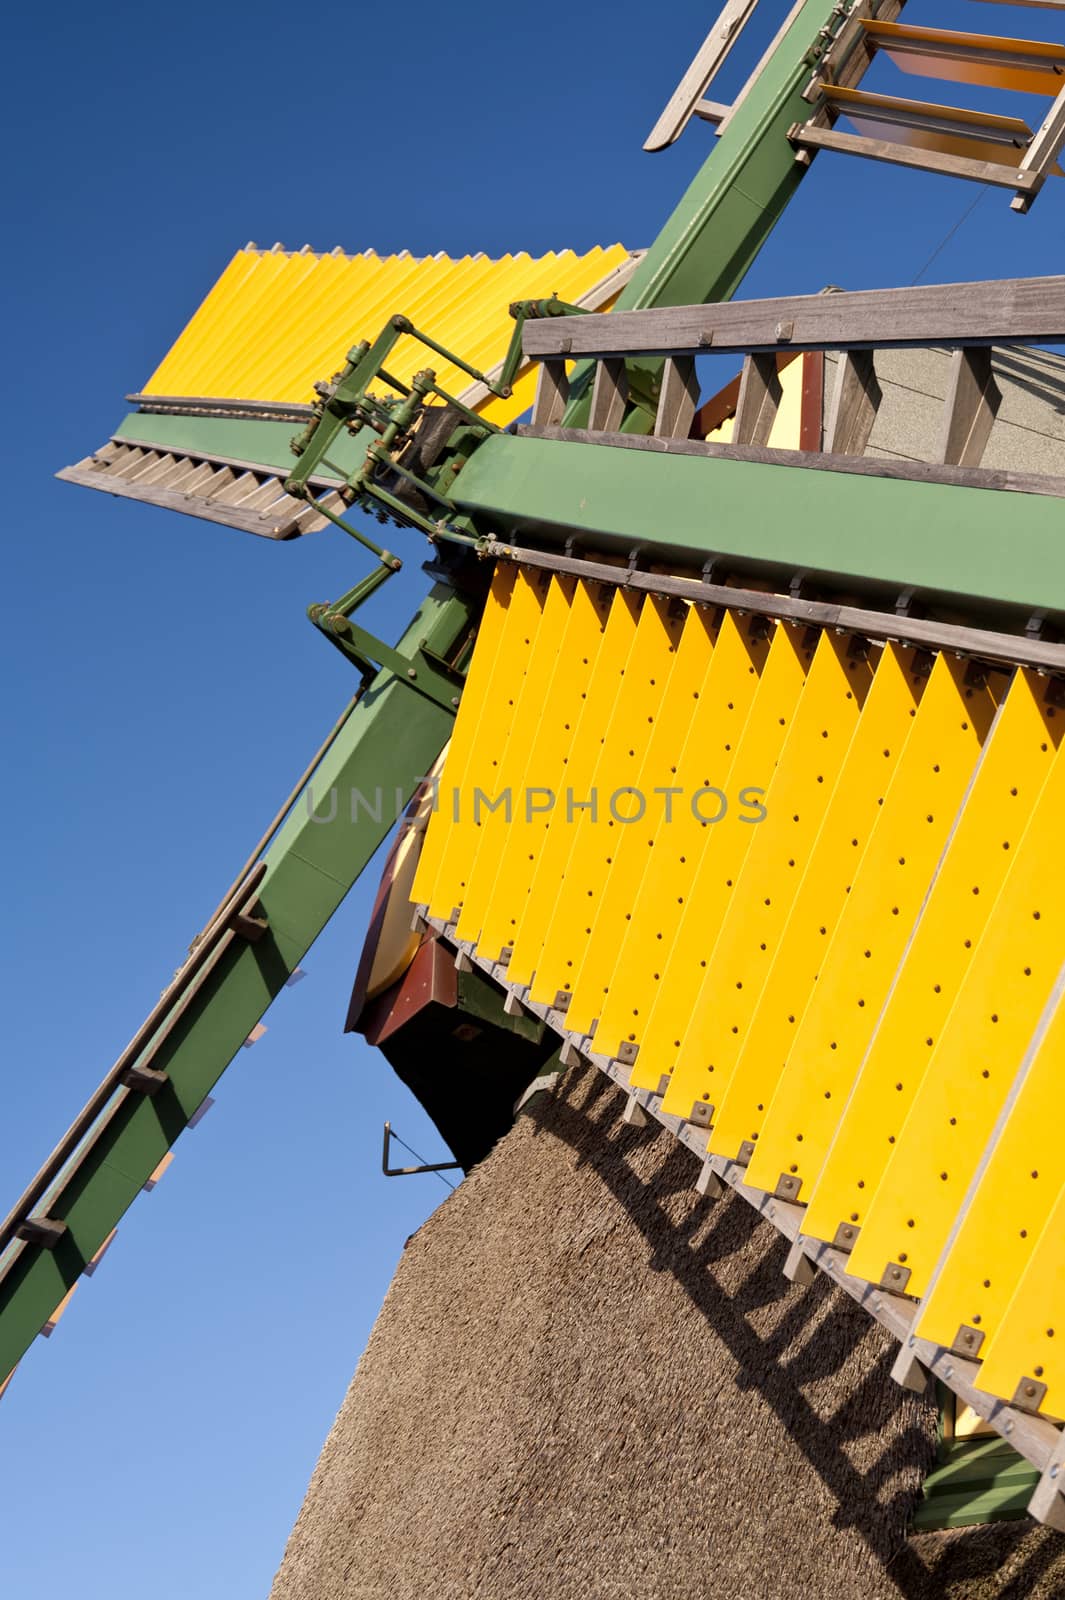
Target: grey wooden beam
<point>610,392</point>
<point>759,400</point>
<point>804,136</point>
<point>552,393</point>
<point>1041,154</point>
<point>999,311</point>
<point>908,1372</point>
<point>798,1268</point>
<point>684,102</point>
<point>287,513</point>
<point>855,402</point>
<point>677,399</point>
<point>973,399</point>
<point>712,111</point>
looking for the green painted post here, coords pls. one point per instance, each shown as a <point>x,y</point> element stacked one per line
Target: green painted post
<point>391,738</point>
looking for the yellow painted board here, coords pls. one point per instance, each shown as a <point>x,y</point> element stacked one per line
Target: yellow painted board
<point>596,705</point>
<point>466,806</point>
<point>812,755</point>
<point>476,696</point>
<point>926,789</point>
<point>1029,66</point>
<point>1028,1348</point>
<point>615,797</point>
<point>513,781</point>
<point>1012,769</point>
<point>554,720</point>
<point>633,847</point>
<point>676,983</point>
<point>848,821</point>
<point>977,1055</point>
<point>1010,1202</point>
<point>277,321</point>
<point>719,712</point>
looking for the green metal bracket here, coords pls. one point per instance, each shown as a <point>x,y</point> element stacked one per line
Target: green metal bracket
<point>424,671</point>
<point>523,311</point>
<point>345,406</point>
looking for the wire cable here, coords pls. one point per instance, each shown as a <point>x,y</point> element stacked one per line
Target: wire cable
<point>948,236</point>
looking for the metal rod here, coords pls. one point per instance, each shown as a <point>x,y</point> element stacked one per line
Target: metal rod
<point>406,1172</point>
<point>375,549</point>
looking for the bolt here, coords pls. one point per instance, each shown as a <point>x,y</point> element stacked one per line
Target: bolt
<point>411,672</point>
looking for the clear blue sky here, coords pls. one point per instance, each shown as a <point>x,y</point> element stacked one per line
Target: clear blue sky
<point>163,690</point>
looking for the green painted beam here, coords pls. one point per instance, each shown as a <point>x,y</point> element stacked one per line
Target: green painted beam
<point>263,443</point>
<point>390,740</point>
<point>988,545</point>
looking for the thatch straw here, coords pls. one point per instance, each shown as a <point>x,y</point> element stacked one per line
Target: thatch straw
<point>587,1383</point>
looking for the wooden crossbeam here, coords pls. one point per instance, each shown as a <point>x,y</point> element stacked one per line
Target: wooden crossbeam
<point>1000,311</point>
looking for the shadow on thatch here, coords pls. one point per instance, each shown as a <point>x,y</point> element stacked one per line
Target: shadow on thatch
<point>588,1383</point>
<point>819,1331</point>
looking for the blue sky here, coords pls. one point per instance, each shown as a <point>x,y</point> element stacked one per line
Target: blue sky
<point>163,690</point>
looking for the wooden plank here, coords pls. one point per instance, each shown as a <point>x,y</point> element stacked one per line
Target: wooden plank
<point>973,399</point>
<point>1042,153</point>
<point>1007,310</point>
<point>855,402</point>
<point>677,399</point>
<point>982,644</point>
<point>807,137</point>
<point>610,392</point>
<point>759,400</point>
<point>722,405</point>
<point>683,103</point>
<point>712,111</point>
<point>282,525</point>
<point>131,443</point>
<point>552,392</point>
<point>818,461</point>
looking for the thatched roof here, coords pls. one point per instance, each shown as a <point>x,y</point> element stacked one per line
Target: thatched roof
<point>587,1383</point>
